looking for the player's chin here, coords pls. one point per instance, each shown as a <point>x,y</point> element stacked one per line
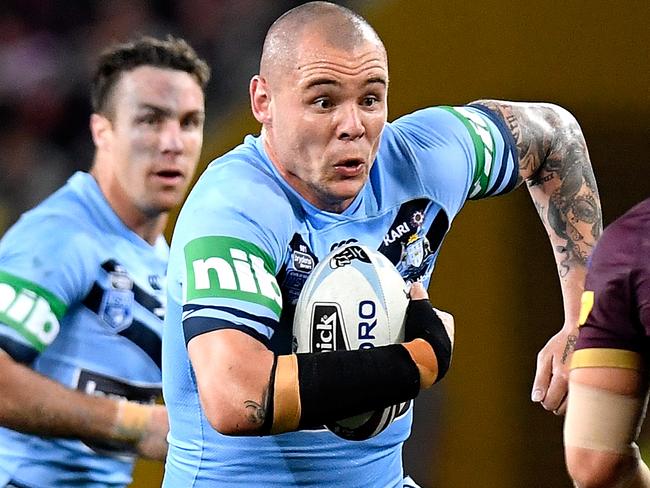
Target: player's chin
<point>348,188</point>
<point>166,200</point>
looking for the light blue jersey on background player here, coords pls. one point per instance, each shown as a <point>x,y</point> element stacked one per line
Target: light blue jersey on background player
<point>82,280</point>
<point>244,245</point>
<point>81,302</point>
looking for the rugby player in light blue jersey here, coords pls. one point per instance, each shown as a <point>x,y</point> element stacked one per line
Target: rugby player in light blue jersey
<point>82,288</point>
<point>328,169</point>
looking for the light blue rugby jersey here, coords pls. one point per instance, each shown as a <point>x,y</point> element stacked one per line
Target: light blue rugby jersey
<point>244,245</point>
<point>81,301</point>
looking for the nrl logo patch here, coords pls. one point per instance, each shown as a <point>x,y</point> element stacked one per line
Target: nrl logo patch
<point>116,308</point>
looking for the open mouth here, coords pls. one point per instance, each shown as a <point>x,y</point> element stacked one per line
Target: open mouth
<point>349,167</point>
<point>169,175</point>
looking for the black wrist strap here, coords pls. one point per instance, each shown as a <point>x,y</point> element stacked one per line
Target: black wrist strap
<point>339,384</point>
<point>423,322</point>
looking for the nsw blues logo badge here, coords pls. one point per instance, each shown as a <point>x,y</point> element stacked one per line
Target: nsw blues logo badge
<point>116,308</point>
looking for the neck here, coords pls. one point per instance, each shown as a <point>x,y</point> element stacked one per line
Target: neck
<point>148,228</point>
<point>148,225</point>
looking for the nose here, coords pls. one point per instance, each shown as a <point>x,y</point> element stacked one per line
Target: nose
<point>171,139</point>
<point>351,123</point>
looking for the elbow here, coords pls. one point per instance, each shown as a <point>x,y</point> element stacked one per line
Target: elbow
<point>597,469</point>
<point>224,424</point>
<point>228,419</point>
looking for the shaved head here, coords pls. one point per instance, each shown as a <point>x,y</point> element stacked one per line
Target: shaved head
<point>321,97</point>
<point>336,26</point>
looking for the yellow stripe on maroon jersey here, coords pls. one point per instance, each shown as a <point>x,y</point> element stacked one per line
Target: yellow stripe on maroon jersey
<point>606,358</point>
<point>586,304</point>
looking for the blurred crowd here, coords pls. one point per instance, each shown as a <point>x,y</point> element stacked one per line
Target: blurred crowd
<point>47,51</point>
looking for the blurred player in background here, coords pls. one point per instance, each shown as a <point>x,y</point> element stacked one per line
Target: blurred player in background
<point>608,387</point>
<point>82,289</point>
<point>328,169</point>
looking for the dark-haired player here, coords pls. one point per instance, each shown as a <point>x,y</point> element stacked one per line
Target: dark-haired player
<point>82,289</point>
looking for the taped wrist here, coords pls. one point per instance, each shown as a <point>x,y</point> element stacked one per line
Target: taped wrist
<point>422,322</point>
<point>317,388</point>
<point>131,421</point>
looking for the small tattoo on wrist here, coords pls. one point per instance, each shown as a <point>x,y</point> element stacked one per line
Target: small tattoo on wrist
<point>570,346</point>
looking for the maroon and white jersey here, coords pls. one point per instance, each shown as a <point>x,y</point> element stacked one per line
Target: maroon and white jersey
<point>615,315</point>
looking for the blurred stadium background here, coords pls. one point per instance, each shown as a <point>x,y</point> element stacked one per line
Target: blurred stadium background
<point>495,272</point>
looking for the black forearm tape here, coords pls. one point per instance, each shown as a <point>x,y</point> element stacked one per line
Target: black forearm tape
<point>339,384</point>
<point>423,322</point>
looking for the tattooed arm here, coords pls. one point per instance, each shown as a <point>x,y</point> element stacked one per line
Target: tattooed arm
<point>554,162</point>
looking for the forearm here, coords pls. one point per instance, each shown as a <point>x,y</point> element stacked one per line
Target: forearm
<point>33,404</point>
<point>315,389</point>
<point>554,162</point>
<point>264,393</point>
<point>273,394</point>
<point>565,195</point>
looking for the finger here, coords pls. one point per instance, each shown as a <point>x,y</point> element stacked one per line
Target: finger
<point>542,377</point>
<point>561,409</point>
<point>418,292</point>
<point>556,392</point>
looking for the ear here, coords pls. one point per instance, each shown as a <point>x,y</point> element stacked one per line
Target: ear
<point>100,128</point>
<point>260,99</point>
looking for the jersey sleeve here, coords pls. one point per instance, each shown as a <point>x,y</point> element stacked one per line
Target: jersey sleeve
<point>464,152</point>
<point>226,251</point>
<point>41,276</point>
<point>614,319</point>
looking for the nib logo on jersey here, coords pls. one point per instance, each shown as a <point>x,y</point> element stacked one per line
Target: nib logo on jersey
<point>327,328</point>
<point>225,267</point>
<point>33,312</point>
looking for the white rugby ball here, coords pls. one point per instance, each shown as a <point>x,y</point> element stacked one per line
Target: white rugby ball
<point>353,299</point>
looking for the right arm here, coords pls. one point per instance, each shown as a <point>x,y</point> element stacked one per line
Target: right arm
<point>232,372</point>
<point>33,404</point>
<point>245,390</point>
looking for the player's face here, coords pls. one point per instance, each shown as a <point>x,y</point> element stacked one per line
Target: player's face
<point>326,119</point>
<point>154,138</point>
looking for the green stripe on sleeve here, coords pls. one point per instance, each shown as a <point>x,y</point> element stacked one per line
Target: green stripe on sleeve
<point>484,144</point>
<point>30,310</point>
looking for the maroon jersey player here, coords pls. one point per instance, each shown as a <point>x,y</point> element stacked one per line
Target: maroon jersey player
<point>608,384</point>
